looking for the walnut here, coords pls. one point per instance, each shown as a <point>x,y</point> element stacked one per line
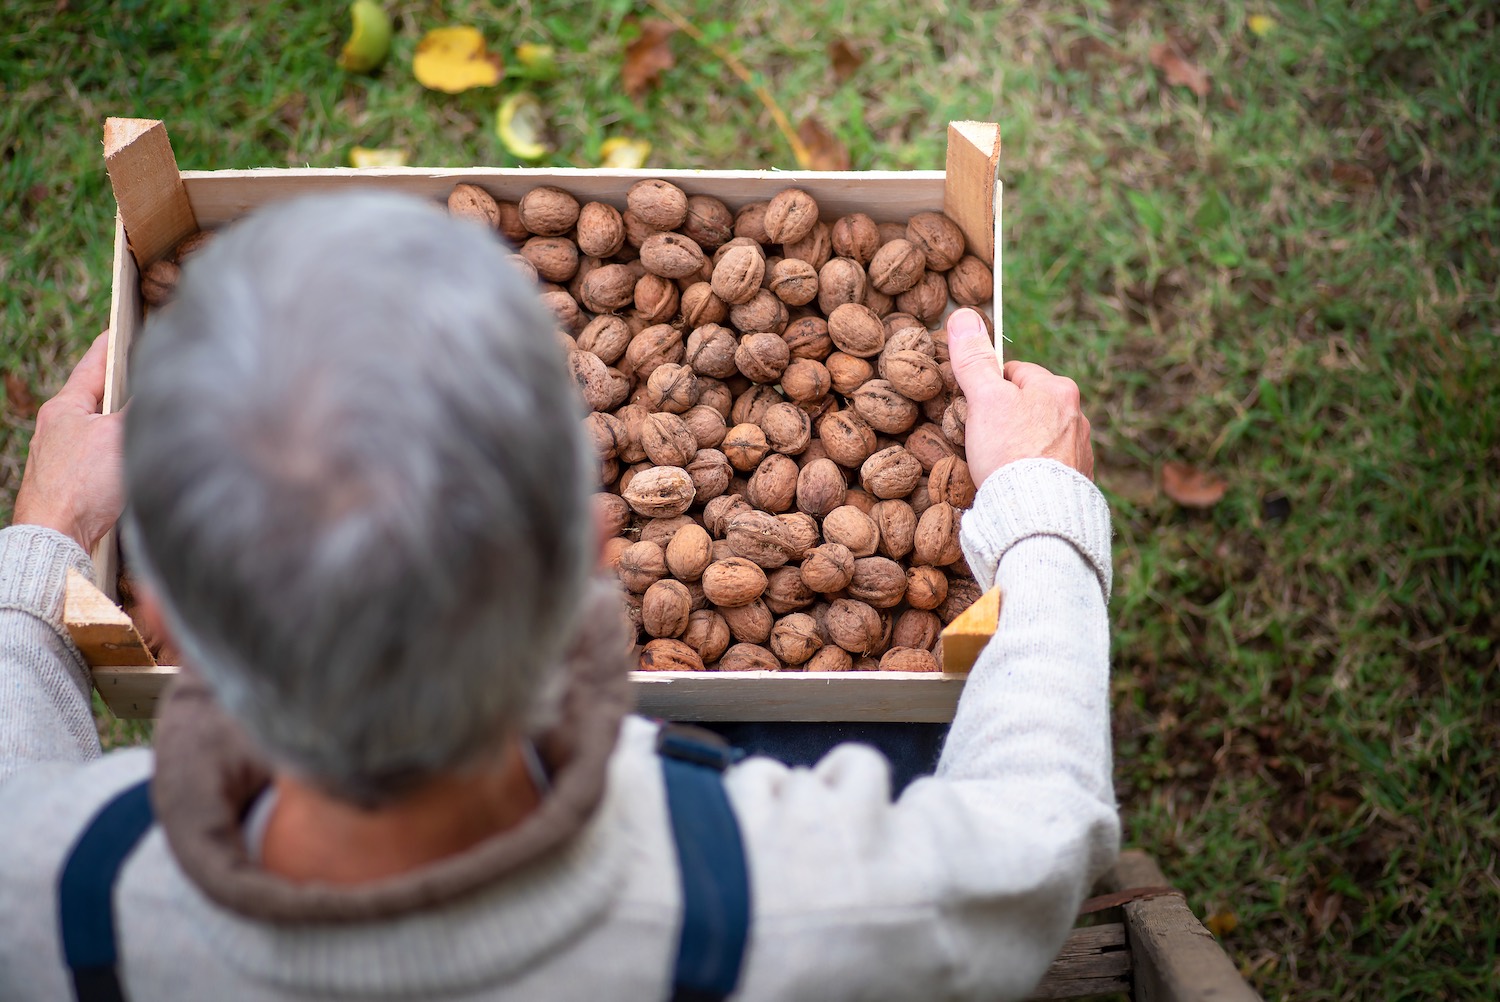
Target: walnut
<point>855,497</point>
<point>601,231</point>
<point>716,394</point>
<point>840,281</point>
<point>671,255</point>
<point>762,357</point>
<point>525,267</point>
<point>820,488</point>
<point>711,474</point>
<point>879,581</point>
<point>790,216</point>
<point>937,536</point>
<point>611,513</point>
<point>642,565</point>
<point>606,337</point>
<point>750,222</point>
<point>673,388</point>
<point>794,282</point>
<point>555,258</point>
<point>748,657</point>
<point>878,302</point>
<point>914,375</point>
<point>787,429</point>
<point>657,345</point>
<point>847,372</point>
<point>883,408</point>
<point>510,224</point>
<point>664,490</point>
<point>746,446</point>
<point>610,553</point>
<point>815,248</point>
<point>159,282</point>
<point>856,236</point>
<point>750,623</point>
<point>760,538</point>
<point>928,443</point>
<point>708,222</point>
<point>752,404</point>
<point>937,237</point>
<point>896,267</point>
<point>773,485</point>
<point>962,593</point>
<point>802,532</point>
<point>856,330</point>
<point>890,473</point>
<point>710,351</point>
<point>805,380</point>
<point>664,654</point>
<point>807,337</point>
<point>891,231</point>
<point>738,275</point>
<point>815,409</point>
<point>954,420</point>
<point>192,244</point>
<point>733,581</point>
<point>927,299</point>
<point>661,530</point>
<point>565,309</point>
<point>909,659</point>
<point>926,588</point>
<point>605,432</point>
<point>636,232</point>
<point>971,282</point>
<point>665,609</point>
<point>762,312</point>
<point>951,483</point>
<point>707,425</point>
<point>898,527</point>
<point>469,201</point>
<point>828,568</point>
<point>719,512</point>
<point>592,378</point>
<point>659,204</point>
<point>854,626</point>
<point>895,323</point>
<point>830,658</point>
<point>700,307</point>
<point>795,638</point>
<point>668,440</point>
<point>707,633</point>
<point>851,527</point>
<point>548,211</point>
<point>611,287</point>
<point>689,552</point>
<point>656,298</point>
<point>629,447</point>
<point>786,592</point>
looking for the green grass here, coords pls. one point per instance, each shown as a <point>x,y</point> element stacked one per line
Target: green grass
<point>1291,282</point>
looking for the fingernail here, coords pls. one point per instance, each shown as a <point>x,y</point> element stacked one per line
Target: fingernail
<point>965,323</point>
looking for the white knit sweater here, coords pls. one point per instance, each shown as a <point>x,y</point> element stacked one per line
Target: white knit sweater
<point>964,887</point>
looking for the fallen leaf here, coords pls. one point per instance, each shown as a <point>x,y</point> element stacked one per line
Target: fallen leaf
<point>1222,922</point>
<point>1323,909</point>
<point>539,61</point>
<point>362,156</point>
<point>521,124</point>
<point>846,59</point>
<point>824,151</point>
<point>1191,487</point>
<point>1353,177</point>
<point>370,41</point>
<point>622,153</point>
<point>454,60</point>
<point>648,57</point>
<point>18,395</point>
<point>1177,71</point>
<point>1260,25</point>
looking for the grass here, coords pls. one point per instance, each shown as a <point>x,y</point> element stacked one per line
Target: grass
<point>1291,282</point>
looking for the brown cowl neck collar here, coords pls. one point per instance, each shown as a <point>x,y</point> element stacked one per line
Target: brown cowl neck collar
<point>208,773</point>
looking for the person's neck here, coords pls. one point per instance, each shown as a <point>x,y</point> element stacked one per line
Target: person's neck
<point>312,836</point>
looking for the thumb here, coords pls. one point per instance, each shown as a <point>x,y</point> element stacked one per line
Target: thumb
<point>974,363</point>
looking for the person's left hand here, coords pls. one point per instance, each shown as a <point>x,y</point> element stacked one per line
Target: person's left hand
<point>74,480</point>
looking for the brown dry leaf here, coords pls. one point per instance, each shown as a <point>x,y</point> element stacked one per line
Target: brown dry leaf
<point>1192,487</point>
<point>1323,909</point>
<point>18,395</point>
<point>846,59</point>
<point>1353,177</point>
<point>824,151</point>
<point>1222,922</point>
<point>1177,71</point>
<point>648,57</point>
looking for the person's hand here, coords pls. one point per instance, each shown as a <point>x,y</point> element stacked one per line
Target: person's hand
<point>1024,412</point>
<point>74,480</point>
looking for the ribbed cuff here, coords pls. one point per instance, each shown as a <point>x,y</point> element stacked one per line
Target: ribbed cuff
<point>34,566</point>
<point>1037,497</point>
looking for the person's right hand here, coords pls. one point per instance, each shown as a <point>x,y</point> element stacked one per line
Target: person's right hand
<point>1024,412</point>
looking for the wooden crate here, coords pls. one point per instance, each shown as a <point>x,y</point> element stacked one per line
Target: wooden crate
<point>158,206</point>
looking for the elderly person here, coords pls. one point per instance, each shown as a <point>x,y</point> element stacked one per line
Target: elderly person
<point>400,763</point>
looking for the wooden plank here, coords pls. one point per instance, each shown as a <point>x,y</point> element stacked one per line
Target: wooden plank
<point>1093,961</point>
<point>101,629</point>
<point>970,631</point>
<point>132,692</point>
<point>1174,957</point>
<point>148,188</point>
<point>971,195</point>
<point>124,321</point>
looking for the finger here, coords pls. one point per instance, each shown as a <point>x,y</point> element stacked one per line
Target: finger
<point>85,387</point>
<point>1022,373</point>
<point>974,363</point>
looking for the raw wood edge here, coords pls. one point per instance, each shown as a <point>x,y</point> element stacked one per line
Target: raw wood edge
<point>103,632</point>
<point>124,319</point>
<point>148,188</point>
<point>973,167</point>
<point>967,635</point>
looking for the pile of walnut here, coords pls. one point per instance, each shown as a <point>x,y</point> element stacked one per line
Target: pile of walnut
<point>779,433</point>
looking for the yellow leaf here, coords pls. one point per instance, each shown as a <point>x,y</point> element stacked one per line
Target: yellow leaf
<point>361,156</point>
<point>539,60</point>
<point>1261,25</point>
<point>453,60</point>
<point>522,125</point>
<point>624,154</point>
<point>1222,922</point>
<point>370,42</point>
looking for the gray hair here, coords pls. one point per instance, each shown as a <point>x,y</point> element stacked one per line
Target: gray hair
<point>359,483</point>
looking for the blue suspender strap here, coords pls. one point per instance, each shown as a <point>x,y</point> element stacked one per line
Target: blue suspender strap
<point>85,893</point>
<point>711,859</point>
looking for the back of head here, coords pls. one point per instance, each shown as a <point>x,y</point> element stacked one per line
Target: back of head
<point>358,481</point>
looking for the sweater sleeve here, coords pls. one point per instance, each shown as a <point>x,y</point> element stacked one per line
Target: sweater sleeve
<point>45,713</point>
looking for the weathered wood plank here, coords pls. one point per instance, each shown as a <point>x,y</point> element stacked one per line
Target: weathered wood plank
<point>148,188</point>
<point>970,631</point>
<point>101,629</point>
<point>124,319</point>
<point>1093,961</point>
<point>132,692</point>
<point>970,195</point>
